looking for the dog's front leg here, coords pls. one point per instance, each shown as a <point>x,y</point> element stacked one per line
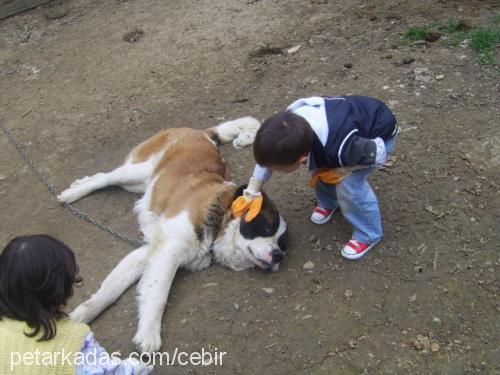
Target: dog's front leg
<point>118,281</point>
<point>153,289</point>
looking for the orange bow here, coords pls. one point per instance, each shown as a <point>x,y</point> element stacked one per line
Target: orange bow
<point>242,205</point>
<point>328,175</point>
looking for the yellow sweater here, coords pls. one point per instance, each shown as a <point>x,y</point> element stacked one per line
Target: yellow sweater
<point>21,355</point>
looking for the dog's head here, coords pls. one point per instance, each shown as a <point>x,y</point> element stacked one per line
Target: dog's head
<point>262,241</point>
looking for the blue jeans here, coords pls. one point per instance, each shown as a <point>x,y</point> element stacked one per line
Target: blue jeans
<point>356,199</point>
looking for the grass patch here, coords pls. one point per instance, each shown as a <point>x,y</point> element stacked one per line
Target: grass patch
<point>417,32</point>
<point>455,39</point>
<point>483,39</point>
<point>454,26</point>
<point>495,20</point>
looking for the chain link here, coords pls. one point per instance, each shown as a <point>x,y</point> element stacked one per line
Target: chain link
<point>43,177</point>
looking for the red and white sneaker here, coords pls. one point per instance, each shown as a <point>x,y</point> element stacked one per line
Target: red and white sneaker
<point>356,249</point>
<point>321,215</point>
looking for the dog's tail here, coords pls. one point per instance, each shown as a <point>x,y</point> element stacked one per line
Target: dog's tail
<point>241,132</point>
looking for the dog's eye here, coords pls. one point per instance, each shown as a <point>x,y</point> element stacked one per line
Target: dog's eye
<point>259,228</point>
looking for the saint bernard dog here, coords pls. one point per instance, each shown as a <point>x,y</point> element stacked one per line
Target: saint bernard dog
<point>185,217</point>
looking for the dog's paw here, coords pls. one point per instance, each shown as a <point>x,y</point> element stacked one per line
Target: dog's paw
<point>84,313</point>
<point>147,342</point>
<point>243,140</point>
<point>68,196</point>
<point>75,191</point>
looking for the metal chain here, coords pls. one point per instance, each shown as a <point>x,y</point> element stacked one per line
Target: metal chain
<point>43,177</point>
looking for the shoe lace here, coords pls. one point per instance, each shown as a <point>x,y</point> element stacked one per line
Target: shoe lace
<point>355,242</point>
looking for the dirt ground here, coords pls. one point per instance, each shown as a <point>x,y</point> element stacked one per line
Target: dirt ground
<point>425,301</point>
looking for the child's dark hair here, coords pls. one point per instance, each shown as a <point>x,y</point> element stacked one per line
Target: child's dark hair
<point>282,139</point>
<point>37,274</point>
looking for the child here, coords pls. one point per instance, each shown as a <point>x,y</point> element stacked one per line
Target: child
<point>37,274</point>
<point>342,140</point>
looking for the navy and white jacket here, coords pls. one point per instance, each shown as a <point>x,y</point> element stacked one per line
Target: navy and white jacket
<point>345,128</point>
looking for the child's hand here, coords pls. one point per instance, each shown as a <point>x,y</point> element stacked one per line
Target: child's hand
<point>251,200</point>
<point>250,195</point>
<point>253,189</point>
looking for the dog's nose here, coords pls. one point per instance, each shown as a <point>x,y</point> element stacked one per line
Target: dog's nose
<point>277,255</point>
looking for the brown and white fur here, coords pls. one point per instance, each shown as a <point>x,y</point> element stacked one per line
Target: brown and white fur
<point>185,218</point>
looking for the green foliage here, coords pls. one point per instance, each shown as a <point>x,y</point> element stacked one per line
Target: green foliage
<point>417,32</point>
<point>483,39</point>
<point>454,26</point>
<point>455,39</point>
<point>495,20</point>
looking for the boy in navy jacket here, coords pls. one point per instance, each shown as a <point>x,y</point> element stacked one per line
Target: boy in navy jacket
<point>342,140</point>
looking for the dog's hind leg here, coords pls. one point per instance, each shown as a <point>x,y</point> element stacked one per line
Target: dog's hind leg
<point>153,289</point>
<point>132,176</point>
<point>118,281</point>
<point>241,132</point>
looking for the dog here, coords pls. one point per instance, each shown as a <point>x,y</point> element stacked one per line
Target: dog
<point>185,217</point>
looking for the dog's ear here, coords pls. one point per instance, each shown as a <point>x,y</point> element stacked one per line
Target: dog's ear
<point>283,240</point>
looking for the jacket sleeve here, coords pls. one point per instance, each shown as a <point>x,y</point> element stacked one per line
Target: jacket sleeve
<point>262,173</point>
<point>363,151</point>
